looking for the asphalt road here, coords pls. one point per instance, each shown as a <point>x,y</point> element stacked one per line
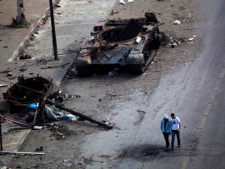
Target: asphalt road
<point>207,77</point>
<point>198,98</point>
<point>194,92</point>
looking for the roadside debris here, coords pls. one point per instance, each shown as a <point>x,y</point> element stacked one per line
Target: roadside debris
<point>67,163</point>
<point>177,22</point>
<point>38,127</point>
<point>59,131</point>
<point>53,113</point>
<point>3,85</point>
<point>30,96</point>
<point>71,117</point>
<point>59,134</point>
<point>39,149</point>
<point>55,66</point>
<point>9,74</point>
<point>25,56</point>
<point>14,128</point>
<point>4,71</point>
<point>21,153</point>
<point>190,40</point>
<point>112,73</point>
<point>141,112</point>
<point>22,69</point>
<point>122,2</point>
<point>173,42</point>
<point>16,121</point>
<point>40,25</point>
<point>74,70</point>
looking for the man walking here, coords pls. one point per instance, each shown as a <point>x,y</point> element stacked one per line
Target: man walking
<point>166,128</point>
<point>175,130</point>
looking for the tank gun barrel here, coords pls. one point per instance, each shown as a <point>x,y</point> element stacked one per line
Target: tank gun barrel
<point>81,115</point>
<point>103,45</point>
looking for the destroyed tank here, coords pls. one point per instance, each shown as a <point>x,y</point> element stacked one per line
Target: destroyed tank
<point>130,42</point>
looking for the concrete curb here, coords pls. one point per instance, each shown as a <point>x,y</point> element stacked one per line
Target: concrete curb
<point>26,40</point>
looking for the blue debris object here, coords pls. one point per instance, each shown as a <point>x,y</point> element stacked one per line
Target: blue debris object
<point>32,106</point>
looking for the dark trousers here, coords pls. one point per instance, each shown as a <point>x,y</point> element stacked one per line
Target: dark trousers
<point>175,132</point>
<point>166,137</point>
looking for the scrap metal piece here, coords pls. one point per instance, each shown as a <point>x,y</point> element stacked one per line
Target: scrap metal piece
<point>21,153</point>
<point>15,121</point>
<point>1,143</point>
<point>29,90</point>
<point>3,85</point>
<point>15,128</point>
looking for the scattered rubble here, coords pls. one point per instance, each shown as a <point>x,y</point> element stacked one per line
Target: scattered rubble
<point>122,2</point>
<point>173,42</point>
<point>112,73</point>
<point>67,163</point>
<point>21,153</point>
<point>3,85</point>
<point>25,56</point>
<point>59,131</point>
<point>177,22</point>
<point>141,111</point>
<point>29,97</point>
<point>9,74</point>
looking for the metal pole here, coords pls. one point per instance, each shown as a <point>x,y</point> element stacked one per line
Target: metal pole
<point>1,134</point>
<point>53,31</point>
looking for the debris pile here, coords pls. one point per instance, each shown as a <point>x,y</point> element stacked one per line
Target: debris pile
<point>29,97</point>
<point>123,2</point>
<point>173,41</point>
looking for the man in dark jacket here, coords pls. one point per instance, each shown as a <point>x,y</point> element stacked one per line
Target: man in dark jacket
<point>166,128</point>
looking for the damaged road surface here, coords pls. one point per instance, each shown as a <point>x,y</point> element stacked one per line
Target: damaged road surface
<point>128,42</point>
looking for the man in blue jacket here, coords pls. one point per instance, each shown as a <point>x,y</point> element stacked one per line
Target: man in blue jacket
<point>166,128</point>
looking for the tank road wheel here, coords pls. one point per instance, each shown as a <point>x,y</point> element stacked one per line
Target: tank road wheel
<point>84,71</point>
<point>150,16</point>
<point>157,39</point>
<point>138,68</point>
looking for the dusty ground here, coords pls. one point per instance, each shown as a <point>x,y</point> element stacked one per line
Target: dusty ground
<point>100,94</point>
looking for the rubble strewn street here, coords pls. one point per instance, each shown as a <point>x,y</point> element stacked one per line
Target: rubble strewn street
<point>54,118</point>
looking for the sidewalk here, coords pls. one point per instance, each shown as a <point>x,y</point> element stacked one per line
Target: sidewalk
<point>11,38</point>
<point>12,41</point>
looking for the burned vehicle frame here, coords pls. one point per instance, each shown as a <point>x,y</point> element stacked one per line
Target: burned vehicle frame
<point>29,90</point>
<point>116,43</point>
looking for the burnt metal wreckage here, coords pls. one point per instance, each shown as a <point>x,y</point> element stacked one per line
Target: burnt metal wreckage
<point>118,43</point>
<point>38,90</point>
